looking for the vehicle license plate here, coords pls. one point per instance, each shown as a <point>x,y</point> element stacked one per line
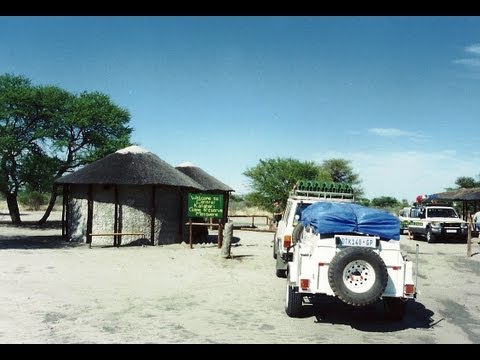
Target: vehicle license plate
<point>363,241</point>
<point>451,231</point>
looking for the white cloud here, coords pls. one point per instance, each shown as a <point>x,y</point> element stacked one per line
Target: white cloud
<point>404,175</point>
<point>391,132</point>
<point>474,48</point>
<point>472,63</point>
<point>469,62</point>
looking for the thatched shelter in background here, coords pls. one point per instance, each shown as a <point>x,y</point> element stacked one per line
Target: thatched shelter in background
<point>130,196</point>
<point>468,196</point>
<point>209,183</point>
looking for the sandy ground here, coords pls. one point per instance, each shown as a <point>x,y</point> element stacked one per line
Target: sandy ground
<point>53,292</point>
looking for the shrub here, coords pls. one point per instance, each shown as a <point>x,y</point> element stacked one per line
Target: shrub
<point>32,200</point>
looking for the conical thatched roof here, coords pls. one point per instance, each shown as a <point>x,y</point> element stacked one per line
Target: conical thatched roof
<point>202,177</point>
<point>130,166</point>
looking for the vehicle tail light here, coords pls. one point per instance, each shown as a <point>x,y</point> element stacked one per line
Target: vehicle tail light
<point>287,241</point>
<point>409,289</point>
<point>304,284</point>
<point>396,267</point>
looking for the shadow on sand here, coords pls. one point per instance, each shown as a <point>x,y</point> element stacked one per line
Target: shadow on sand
<point>33,225</point>
<point>36,242</point>
<point>213,239</point>
<point>371,318</point>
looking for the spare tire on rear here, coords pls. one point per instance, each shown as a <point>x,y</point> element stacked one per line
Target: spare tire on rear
<point>358,276</point>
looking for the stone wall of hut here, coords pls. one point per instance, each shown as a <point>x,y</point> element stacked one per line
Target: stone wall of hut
<point>134,214</point>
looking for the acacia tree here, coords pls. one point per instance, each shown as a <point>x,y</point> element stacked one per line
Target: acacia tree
<point>467,182</point>
<point>46,131</point>
<point>89,128</point>
<point>340,170</point>
<point>273,179</point>
<point>385,202</point>
<point>25,111</point>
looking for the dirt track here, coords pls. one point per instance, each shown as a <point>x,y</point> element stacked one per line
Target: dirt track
<point>53,292</point>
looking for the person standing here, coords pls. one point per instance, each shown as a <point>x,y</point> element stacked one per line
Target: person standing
<point>277,211</point>
<point>476,221</point>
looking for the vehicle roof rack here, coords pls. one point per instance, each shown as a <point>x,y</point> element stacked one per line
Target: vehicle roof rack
<point>323,190</point>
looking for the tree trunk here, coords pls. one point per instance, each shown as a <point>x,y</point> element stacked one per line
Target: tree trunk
<point>51,204</point>
<point>13,208</point>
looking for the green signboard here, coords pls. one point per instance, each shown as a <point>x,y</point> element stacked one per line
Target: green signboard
<point>205,205</point>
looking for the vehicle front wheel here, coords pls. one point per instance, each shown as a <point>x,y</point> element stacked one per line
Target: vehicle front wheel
<point>293,301</point>
<point>430,236</point>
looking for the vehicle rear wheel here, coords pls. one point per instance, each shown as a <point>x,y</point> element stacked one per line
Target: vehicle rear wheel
<point>358,276</point>
<point>280,270</point>
<point>430,236</point>
<point>274,247</point>
<point>293,301</point>
<point>394,308</point>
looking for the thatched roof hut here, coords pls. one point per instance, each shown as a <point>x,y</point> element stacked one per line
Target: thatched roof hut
<point>130,166</point>
<point>211,184</point>
<point>131,193</point>
<point>202,177</point>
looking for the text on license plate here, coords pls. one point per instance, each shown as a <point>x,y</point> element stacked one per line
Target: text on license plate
<point>363,241</point>
<point>451,231</point>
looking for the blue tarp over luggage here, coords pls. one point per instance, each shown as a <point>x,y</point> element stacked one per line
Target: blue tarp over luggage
<point>330,217</point>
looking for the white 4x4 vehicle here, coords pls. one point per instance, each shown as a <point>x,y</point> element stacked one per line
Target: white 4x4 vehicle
<point>304,194</point>
<point>350,252</point>
<point>435,222</point>
<point>407,216</point>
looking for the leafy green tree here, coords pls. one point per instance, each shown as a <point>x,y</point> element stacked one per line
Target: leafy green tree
<point>385,202</point>
<point>467,182</point>
<point>46,131</point>
<point>273,179</point>
<point>90,127</point>
<point>32,199</point>
<point>340,170</point>
<point>404,203</point>
<point>25,113</point>
<point>363,201</point>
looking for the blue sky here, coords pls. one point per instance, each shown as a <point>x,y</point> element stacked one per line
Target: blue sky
<point>397,96</point>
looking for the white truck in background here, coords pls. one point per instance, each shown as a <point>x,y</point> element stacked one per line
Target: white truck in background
<point>407,216</point>
<point>438,222</point>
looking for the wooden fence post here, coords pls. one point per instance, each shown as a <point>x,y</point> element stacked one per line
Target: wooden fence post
<point>190,232</point>
<point>227,240</point>
<point>220,233</point>
<point>469,239</point>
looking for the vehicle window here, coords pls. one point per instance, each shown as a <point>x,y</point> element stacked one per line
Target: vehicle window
<point>300,208</point>
<point>442,213</point>
<point>287,210</point>
<point>414,213</point>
